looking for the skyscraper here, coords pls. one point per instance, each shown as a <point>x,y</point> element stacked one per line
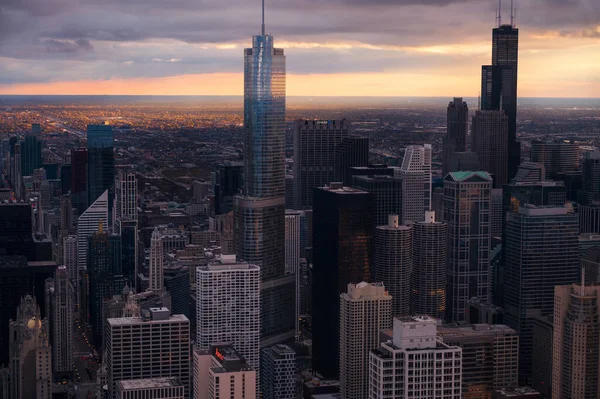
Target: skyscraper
<point>365,310</point>
<point>387,195</point>
<point>393,262</point>
<point>31,154</point>
<point>155,270</point>
<point>352,151</point>
<point>79,163</point>
<point>416,182</point>
<point>457,117</point>
<point>101,162</point>
<point>278,369</point>
<point>341,248</point>
<point>429,258</point>
<point>576,348</point>
<point>60,304</point>
<point>315,143</point>
<point>467,206</point>
<point>499,85</point>
<point>125,198</point>
<point>70,257</point>
<point>556,156</point>
<point>228,307</point>
<point>229,180</point>
<point>15,229</point>
<point>129,250</point>
<point>590,178</point>
<point>541,252</point>
<point>292,240</point>
<point>530,172</point>
<point>260,211</point>
<point>87,224</point>
<point>490,141</point>
<point>167,387</point>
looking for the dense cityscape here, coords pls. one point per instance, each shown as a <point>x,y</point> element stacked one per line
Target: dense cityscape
<point>280,247</point>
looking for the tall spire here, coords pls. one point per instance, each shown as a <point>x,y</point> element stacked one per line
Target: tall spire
<point>499,13</point>
<point>513,14</point>
<point>263,18</point>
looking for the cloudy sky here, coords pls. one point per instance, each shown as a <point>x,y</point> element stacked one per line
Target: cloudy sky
<point>333,47</point>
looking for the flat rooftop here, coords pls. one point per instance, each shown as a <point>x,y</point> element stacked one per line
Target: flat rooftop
<point>123,321</point>
<point>145,383</point>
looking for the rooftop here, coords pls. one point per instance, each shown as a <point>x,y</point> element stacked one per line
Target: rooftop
<point>147,383</point>
<point>123,321</point>
<point>519,391</point>
<point>460,176</point>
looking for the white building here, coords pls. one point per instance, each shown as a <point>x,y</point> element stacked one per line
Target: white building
<point>292,240</point>
<point>221,372</point>
<point>365,310</point>
<point>151,388</point>
<point>154,345</point>
<point>156,267</point>
<point>278,369</point>
<point>416,182</point>
<point>59,310</point>
<point>228,307</point>
<point>87,224</point>
<point>415,364</point>
<point>126,196</point>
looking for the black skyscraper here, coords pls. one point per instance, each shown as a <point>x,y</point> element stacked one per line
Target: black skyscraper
<point>499,86</point>
<point>15,230</point>
<point>457,129</point>
<point>352,151</point>
<point>229,180</point>
<point>342,238</point>
<point>101,162</point>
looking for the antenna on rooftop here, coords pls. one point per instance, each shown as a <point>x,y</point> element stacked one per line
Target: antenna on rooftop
<point>499,13</point>
<point>512,14</point>
<point>263,18</point>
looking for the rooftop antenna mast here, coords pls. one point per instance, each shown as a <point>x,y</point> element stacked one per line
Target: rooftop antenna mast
<point>512,14</point>
<point>263,18</point>
<point>499,13</point>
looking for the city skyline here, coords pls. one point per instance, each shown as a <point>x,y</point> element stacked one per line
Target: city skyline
<point>340,48</point>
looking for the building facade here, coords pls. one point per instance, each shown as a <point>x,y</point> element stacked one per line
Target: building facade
<point>278,369</point>
<point>60,305</point>
<point>150,388</point>
<point>457,122</point>
<point>490,143</point>
<point>416,182</point>
<point>101,162</point>
<point>387,195</point>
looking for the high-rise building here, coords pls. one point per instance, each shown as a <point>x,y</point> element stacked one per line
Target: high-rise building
<point>496,209</point>
<point>530,172</point>
<point>543,338</point>
<point>79,164</point>
<point>155,270</point>
<point>490,357</point>
<point>369,170</point>
<point>151,388</point>
<point>416,182</point>
<point>129,249</point>
<point>15,230</point>
<point>70,257</point>
<point>60,305</point>
<point>590,178</point>
<point>499,86</point>
<point>278,369</point>
<point>29,352</point>
<point>576,347</point>
<point>125,197</point>
<point>490,141</point>
<point>556,156</point>
<point>229,181</point>
<point>415,363</point>
<point>457,117</point>
<point>429,257</point>
<point>260,211</point>
<point>315,143</point>
<point>154,345</point>
<point>31,155</point>
<point>393,262</point>
<point>65,178</point>
<point>228,307</point>
<point>87,224</point>
<point>387,195</point>
<point>541,252</point>
<point>341,248</point>
<point>101,162</point>
<point>352,151</point>
<point>292,240</point>
<point>365,310</point>
<point>467,208</point>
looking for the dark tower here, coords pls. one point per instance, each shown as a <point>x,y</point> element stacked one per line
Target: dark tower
<point>457,129</point>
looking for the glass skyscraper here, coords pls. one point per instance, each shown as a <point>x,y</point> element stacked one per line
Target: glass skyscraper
<point>101,162</point>
<point>260,211</point>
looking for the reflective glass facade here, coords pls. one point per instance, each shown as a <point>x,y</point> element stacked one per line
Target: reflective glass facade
<point>101,162</point>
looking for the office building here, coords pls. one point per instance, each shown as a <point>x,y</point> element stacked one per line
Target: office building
<point>228,307</point>
<point>292,240</point>
<point>101,162</point>
<point>31,154</point>
<point>125,197</point>
<point>156,261</point>
<point>541,252</point>
<point>352,151</point>
<point>369,170</point>
<point>260,210</point>
<point>416,182</point>
<point>393,262</point>
<point>530,172</point>
<point>429,257</point>
<point>15,230</point>
<point>154,345</point>
<point>490,143</point>
<point>499,85</point>
<point>467,160</point>
<point>278,370</point>
<point>177,283</point>
<point>70,256</point>
<point>60,305</point>
<point>289,191</point>
<point>79,164</point>
<point>457,122</point>
<point>65,178</point>
<point>387,195</point>
<point>365,310</point>
<point>516,393</point>
<point>29,352</point>
<point>557,157</point>
<point>342,237</point>
<point>129,249</point>
<point>315,143</point>
<point>229,181</point>
<point>543,339</point>
<point>467,208</point>
<point>151,388</point>
<point>590,179</point>
<point>490,357</point>
<point>589,218</point>
<point>576,346</point>
<point>496,209</point>
<point>415,363</point>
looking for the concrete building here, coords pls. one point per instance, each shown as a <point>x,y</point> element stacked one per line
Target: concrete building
<point>154,345</point>
<point>490,357</point>
<point>156,261</point>
<point>277,370</point>
<point>393,262</point>
<point>415,363</point>
<point>125,202</point>
<point>576,347</point>
<point>151,388</point>
<point>70,256</point>
<point>365,310</point>
<point>292,240</point>
<point>467,198</point>
<point>416,182</point>
<point>429,257</point>
<point>490,143</point>
<point>228,307</point>
<point>59,310</point>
